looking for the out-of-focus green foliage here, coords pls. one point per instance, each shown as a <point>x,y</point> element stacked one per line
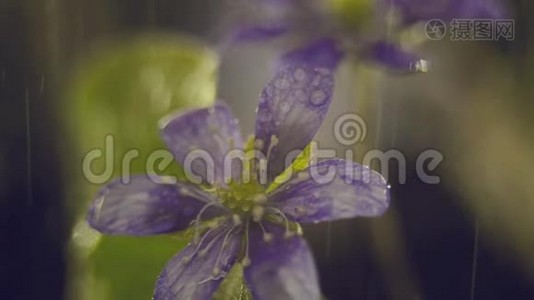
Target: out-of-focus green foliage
<point>123,90</point>
<point>127,267</point>
<point>353,13</point>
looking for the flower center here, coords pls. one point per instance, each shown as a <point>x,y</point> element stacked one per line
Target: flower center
<point>244,199</point>
<point>248,205</point>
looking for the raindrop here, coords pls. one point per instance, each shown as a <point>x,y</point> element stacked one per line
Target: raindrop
<point>420,66</point>
<point>284,107</point>
<point>282,84</point>
<point>318,97</point>
<point>300,95</point>
<point>300,75</point>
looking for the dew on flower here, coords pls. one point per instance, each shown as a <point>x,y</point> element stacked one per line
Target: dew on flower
<point>241,221</point>
<point>284,107</point>
<point>282,84</point>
<point>318,97</point>
<point>300,75</point>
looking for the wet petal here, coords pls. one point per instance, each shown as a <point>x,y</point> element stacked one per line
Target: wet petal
<point>333,189</point>
<point>197,271</point>
<point>323,53</point>
<point>280,2</point>
<point>282,268</point>
<point>259,20</point>
<point>206,135</point>
<point>396,59</point>
<point>423,10</point>
<point>144,207</point>
<point>292,107</point>
<point>254,33</point>
<point>488,9</point>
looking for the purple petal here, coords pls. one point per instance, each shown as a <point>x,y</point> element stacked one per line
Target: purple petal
<point>197,271</point>
<point>253,33</point>
<point>423,10</point>
<point>258,20</point>
<point>394,58</point>
<point>204,134</point>
<point>349,191</point>
<point>143,207</point>
<point>323,53</point>
<point>282,268</point>
<point>279,2</point>
<point>489,9</point>
<point>292,107</point>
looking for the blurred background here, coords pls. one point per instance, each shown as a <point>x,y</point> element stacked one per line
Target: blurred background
<point>75,72</point>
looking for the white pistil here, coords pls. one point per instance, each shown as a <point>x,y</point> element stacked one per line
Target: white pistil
<point>257,213</point>
<point>246,261</point>
<point>197,219</point>
<point>205,250</point>
<point>267,237</point>
<point>188,258</point>
<point>216,269</point>
<point>212,277</point>
<point>288,232</point>
<point>236,219</point>
<point>272,144</point>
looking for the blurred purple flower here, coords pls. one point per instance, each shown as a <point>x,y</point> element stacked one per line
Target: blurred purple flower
<point>413,11</point>
<point>327,29</point>
<point>251,223</point>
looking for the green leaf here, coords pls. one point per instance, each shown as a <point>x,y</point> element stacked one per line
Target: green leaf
<point>129,266</point>
<point>124,89</point>
<point>354,14</point>
<point>233,287</point>
<point>120,92</point>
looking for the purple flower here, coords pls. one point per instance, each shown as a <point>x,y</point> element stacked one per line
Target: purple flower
<point>252,222</point>
<point>327,30</point>
<point>413,11</point>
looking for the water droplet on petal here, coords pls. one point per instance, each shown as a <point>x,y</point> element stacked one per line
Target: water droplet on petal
<point>284,107</point>
<point>282,84</point>
<point>300,75</point>
<point>318,98</point>
<point>420,66</point>
<point>300,95</point>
